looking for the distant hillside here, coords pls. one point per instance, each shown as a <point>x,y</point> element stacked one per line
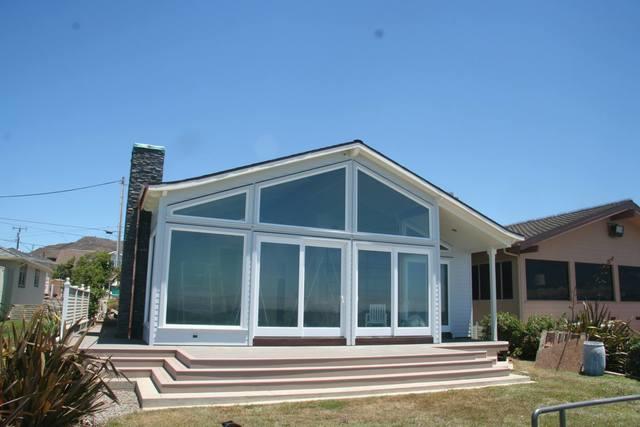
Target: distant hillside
<point>61,252</point>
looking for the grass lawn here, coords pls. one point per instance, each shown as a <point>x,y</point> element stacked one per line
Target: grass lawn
<point>507,406</point>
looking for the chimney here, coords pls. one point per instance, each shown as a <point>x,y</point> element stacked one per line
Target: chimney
<point>147,163</point>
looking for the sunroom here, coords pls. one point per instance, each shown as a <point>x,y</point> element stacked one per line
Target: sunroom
<point>336,246</point>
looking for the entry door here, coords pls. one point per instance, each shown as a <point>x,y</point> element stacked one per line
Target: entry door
<point>299,289</point>
<point>392,290</point>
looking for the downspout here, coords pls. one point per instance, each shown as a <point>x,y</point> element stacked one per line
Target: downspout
<point>506,252</point>
<point>135,259</point>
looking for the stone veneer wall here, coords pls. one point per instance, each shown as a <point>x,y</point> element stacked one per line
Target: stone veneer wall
<point>147,163</point>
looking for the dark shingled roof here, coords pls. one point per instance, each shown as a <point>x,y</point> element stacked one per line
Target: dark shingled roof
<point>551,225</point>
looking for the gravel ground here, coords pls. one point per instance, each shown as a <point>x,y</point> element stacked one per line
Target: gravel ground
<point>128,403</point>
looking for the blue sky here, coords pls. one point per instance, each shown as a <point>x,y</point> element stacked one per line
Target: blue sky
<point>522,109</point>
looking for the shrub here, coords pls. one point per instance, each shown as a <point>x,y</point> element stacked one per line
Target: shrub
<point>632,365</point>
<point>510,329</point>
<point>595,321</point>
<point>533,329</point>
<point>46,381</point>
<point>113,304</point>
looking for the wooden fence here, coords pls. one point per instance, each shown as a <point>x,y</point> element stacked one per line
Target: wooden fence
<point>75,306</point>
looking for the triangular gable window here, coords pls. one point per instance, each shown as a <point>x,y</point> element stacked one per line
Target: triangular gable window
<point>229,208</point>
<point>316,201</point>
<point>383,210</point>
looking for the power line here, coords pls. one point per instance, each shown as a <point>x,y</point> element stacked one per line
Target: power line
<point>6,196</point>
<point>104,229</point>
<point>45,229</point>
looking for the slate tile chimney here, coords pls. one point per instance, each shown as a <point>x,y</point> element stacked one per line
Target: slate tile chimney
<point>147,164</point>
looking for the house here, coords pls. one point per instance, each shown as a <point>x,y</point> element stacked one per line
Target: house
<point>339,245</point>
<point>590,254</point>
<point>23,279</point>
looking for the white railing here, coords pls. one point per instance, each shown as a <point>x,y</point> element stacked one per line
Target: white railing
<point>75,306</point>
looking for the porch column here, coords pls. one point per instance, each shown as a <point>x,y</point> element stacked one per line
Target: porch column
<point>492,290</point>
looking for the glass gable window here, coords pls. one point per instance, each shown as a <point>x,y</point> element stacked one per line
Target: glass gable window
<point>383,210</point>
<point>547,280</point>
<point>594,282</point>
<point>316,201</point>
<point>205,279</point>
<point>629,283</point>
<point>230,208</point>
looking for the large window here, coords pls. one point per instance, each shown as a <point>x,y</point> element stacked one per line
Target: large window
<point>547,280</point>
<point>283,285</point>
<point>482,286</point>
<point>279,285</point>
<point>205,279</point>
<point>316,201</point>
<point>36,279</point>
<point>374,289</point>
<point>629,283</point>
<point>413,292</point>
<point>229,208</point>
<point>384,210</point>
<point>594,282</point>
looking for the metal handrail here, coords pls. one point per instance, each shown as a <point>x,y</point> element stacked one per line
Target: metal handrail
<point>561,409</point>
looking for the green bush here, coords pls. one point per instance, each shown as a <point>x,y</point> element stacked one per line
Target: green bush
<point>632,365</point>
<point>510,328</point>
<point>45,381</point>
<point>533,329</point>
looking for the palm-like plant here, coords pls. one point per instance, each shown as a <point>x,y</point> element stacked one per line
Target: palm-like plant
<point>45,381</point>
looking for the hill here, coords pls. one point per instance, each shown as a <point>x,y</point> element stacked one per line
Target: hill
<point>61,252</point>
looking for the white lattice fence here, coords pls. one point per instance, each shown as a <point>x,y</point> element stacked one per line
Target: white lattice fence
<point>75,306</point>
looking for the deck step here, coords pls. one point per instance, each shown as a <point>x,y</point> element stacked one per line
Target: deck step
<point>151,398</point>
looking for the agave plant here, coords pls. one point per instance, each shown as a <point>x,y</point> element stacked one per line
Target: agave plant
<point>46,381</point>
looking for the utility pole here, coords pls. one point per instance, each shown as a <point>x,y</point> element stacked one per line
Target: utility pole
<point>20,228</point>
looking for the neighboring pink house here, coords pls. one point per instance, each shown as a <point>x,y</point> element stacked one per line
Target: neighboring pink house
<point>589,254</point>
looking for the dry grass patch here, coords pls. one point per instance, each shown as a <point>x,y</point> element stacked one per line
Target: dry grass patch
<point>508,406</point>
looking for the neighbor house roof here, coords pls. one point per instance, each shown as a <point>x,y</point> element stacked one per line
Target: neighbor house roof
<point>16,255</point>
<point>537,230</point>
<point>152,193</point>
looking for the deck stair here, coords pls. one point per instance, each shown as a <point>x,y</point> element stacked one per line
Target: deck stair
<point>174,377</point>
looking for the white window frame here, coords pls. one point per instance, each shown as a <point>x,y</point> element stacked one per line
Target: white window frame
<point>169,229</point>
<point>300,330</point>
<point>149,285</point>
<point>267,226</point>
<point>394,250</point>
<point>366,235</point>
<point>447,327</point>
<point>246,190</point>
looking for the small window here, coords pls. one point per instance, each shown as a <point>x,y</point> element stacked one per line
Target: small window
<point>229,208</point>
<point>22,276</point>
<point>36,279</point>
<point>547,280</point>
<point>594,282</point>
<point>316,201</point>
<point>485,288</point>
<point>482,285</point>
<point>629,283</point>
<point>384,210</point>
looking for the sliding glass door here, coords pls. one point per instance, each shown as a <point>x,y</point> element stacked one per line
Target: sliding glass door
<point>392,290</point>
<point>299,286</point>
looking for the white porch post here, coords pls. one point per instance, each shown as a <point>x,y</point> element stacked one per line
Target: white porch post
<point>492,287</point>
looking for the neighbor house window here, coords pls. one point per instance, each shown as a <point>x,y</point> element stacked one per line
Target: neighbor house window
<point>36,279</point>
<point>316,201</point>
<point>384,210</point>
<point>547,280</point>
<point>22,276</point>
<point>205,278</point>
<point>594,282</point>
<point>229,208</point>
<point>482,286</point>
<point>629,283</point>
